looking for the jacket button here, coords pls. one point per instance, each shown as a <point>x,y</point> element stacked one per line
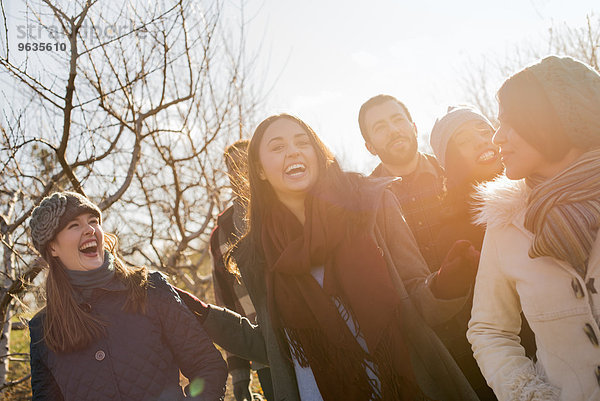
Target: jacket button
<point>100,355</point>
<point>577,288</point>
<point>589,331</point>
<point>598,374</point>
<point>86,307</point>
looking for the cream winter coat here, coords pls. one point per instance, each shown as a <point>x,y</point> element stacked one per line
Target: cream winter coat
<point>562,309</point>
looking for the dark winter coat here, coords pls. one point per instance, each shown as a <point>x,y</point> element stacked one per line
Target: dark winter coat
<point>435,370</point>
<point>138,359</point>
<point>458,224</point>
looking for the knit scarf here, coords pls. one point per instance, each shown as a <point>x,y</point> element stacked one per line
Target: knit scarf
<point>355,274</point>
<point>564,213</point>
<point>86,281</point>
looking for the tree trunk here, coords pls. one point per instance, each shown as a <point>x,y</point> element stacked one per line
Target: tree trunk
<point>6,283</point>
<point>5,350</point>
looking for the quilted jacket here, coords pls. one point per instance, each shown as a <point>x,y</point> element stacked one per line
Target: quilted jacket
<point>138,360</point>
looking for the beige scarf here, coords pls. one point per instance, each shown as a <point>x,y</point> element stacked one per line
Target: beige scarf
<point>564,213</point>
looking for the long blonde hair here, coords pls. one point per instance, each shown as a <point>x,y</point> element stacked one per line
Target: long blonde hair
<point>67,325</point>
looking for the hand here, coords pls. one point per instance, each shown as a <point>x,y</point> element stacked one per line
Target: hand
<point>457,272</point>
<point>199,308</point>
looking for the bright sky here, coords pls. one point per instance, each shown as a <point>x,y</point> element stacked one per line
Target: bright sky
<point>321,59</point>
<point>325,58</point>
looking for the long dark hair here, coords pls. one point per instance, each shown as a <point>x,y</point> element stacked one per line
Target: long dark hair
<point>262,195</point>
<point>68,326</point>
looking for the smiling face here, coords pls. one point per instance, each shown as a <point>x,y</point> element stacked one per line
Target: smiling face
<point>472,143</point>
<point>80,245</point>
<point>391,134</point>
<point>288,159</point>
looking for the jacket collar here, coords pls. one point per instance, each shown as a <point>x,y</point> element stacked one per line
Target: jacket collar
<point>501,202</point>
<point>371,194</point>
<point>427,164</point>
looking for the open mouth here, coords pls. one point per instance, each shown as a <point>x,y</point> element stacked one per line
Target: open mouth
<point>295,169</point>
<point>89,247</point>
<point>487,156</point>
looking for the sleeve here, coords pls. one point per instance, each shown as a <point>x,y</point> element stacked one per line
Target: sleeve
<point>494,333</point>
<point>410,272</point>
<point>236,334</point>
<point>197,357</point>
<point>224,294</point>
<point>43,385</point>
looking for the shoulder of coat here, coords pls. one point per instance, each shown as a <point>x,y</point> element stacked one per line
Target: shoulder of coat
<point>498,202</point>
<point>37,318</point>
<point>157,282</point>
<point>36,325</point>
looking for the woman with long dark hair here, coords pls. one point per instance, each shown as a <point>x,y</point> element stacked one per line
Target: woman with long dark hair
<point>462,143</point>
<point>339,286</point>
<point>110,331</point>
<point>541,253</point>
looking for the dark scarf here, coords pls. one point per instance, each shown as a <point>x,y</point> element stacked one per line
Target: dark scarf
<point>564,212</point>
<point>355,273</point>
<point>86,281</point>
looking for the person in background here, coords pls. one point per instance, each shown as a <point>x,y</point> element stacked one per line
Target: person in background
<point>342,294</point>
<point>462,143</point>
<point>229,291</point>
<point>390,134</point>
<point>110,331</point>
<point>541,251</point>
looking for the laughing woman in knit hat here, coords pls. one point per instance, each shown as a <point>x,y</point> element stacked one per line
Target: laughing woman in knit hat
<point>110,331</point>
<point>462,143</point>
<point>541,252</point>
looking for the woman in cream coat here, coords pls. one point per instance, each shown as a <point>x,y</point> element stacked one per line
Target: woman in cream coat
<point>541,253</point>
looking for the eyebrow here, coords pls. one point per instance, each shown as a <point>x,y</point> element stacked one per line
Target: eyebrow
<point>460,135</point>
<point>281,138</point>
<point>381,121</point>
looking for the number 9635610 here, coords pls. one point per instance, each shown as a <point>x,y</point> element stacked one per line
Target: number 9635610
<point>41,46</point>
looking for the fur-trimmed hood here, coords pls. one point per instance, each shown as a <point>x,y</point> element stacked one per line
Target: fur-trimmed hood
<point>499,202</point>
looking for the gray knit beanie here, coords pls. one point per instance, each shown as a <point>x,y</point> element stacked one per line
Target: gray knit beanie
<point>54,212</point>
<point>445,127</point>
<point>573,89</point>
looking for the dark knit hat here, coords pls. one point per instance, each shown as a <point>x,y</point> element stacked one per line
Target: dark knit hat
<point>573,89</point>
<point>54,212</point>
<point>563,92</point>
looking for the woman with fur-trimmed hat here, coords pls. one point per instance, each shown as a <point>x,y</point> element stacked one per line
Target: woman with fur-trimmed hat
<point>110,331</point>
<point>541,252</point>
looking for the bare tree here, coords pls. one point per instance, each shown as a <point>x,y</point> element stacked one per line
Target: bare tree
<point>131,104</point>
<point>483,77</point>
